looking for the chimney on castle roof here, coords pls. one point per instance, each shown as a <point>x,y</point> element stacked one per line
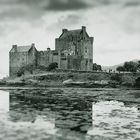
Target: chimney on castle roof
<point>15,47</point>
<point>33,45</point>
<point>64,30</point>
<point>84,28</point>
<point>48,49</point>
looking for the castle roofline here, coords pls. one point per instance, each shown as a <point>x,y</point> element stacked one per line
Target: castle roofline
<point>22,48</point>
<point>77,32</point>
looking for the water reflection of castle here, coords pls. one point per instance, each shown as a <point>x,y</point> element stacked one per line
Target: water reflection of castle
<point>67,113</point>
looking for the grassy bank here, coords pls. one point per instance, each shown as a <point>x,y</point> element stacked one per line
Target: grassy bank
<point>77,79</point>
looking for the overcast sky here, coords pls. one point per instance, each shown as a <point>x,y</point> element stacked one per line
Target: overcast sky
<point>115,25</point>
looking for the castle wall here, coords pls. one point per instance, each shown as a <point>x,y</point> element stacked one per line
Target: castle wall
<point>32,57</point>
<point>57,59</point>
<point>64,64</point>
<point>61,45</point>
<point>70,45</point>
<point>82,58</point>
<point>17,60</point>
<point>74,62</point>
<point>44,58</point>
<point>20,59</point>
<point>86,64</point>
<point>87,52</point>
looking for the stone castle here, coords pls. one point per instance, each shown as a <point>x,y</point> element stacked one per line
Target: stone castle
<point>73,50</point>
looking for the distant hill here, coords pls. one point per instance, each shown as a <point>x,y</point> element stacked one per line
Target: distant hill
<point>107,68</point>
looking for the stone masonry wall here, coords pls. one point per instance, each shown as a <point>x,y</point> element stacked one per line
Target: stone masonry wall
<point>83,52</point>
<point>44,58</point>
<point>17,60</point>
<point>20,59</point>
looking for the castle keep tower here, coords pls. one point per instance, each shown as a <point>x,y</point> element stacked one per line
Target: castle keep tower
<point>77,49</point>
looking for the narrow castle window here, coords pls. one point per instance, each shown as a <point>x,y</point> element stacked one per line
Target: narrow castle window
<point>86,62</point>
<point>86,50</point>
<point>55,53</point>
<point>62,54</point>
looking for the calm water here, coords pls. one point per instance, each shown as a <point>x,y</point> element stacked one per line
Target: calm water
<point>70,114</point>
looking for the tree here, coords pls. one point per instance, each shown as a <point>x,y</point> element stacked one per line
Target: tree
<point>138,66</point>
<point>130,66</point>
<point>52,66</point>
<point>96,67</point>
<point>120,68</point>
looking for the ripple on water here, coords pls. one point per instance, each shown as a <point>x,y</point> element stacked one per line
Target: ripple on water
<point>61,116</point>
<point>114,119</point>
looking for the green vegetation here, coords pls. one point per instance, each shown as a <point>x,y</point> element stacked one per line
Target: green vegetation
<point>116,77</point>
<point>129,67</point>
<point>120,68</point>
<point>81,79</point>
<point>137,83</point>
<point>27,68</point>
<point>20,72</point>
<point>50,76</point>
<point>97,67</point>
<point>52,66</point>
<point>30,68</point>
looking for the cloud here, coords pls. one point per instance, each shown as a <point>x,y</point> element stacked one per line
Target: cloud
<point>62,5</point>
<point>132,3</point>
<point>35,9</point>
<point>69,20</point>
<point>46,5</point>
<point>20,11</point>
<point>113,23</point>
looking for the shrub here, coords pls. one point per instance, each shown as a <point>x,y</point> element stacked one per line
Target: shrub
<point>137,82</point>
<point>97,76</point>
<point>52,66</point>
<point>116,77</point>
<point>96,67</point>
<point>29,68</point>
<point>128,80</point>
<point>40,67</point>
<point>20,72</point>
<point>120,68</point>
<point>130,66</point>
<point>113,84</point>
<point>70,75</point>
